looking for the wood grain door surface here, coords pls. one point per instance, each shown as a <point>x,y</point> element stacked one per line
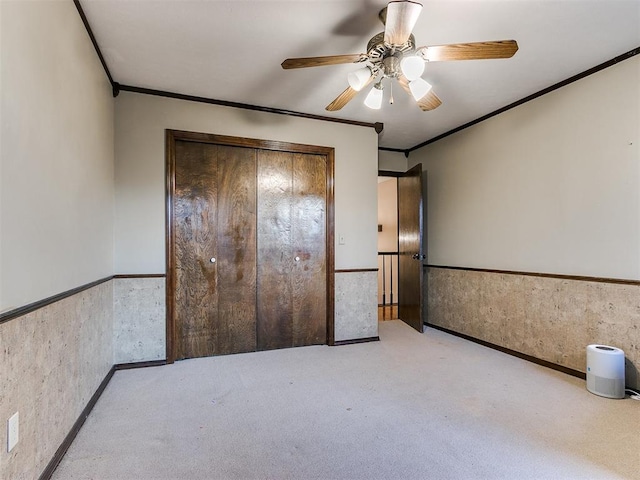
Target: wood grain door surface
<point>291,249</point>
<point>250,249</point>
<point>410,247</point>
<point>215,232</point>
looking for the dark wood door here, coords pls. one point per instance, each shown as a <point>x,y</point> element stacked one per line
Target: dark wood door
<point>215,249</point>
<point>291,250</point>
<point>309,274</point>
<point>249,249</point>
<point>410,253</point>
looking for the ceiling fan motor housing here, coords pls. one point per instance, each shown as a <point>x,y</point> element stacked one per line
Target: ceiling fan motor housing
<point>391,65</point>
<point>386,58</point>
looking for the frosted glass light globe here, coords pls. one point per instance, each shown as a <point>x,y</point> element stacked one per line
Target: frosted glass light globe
<point>412,67</point>
<point>374,98</point>
<point>358,79</point>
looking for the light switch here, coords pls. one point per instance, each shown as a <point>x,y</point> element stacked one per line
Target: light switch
<point>341,240</point>
<point>13,431</point>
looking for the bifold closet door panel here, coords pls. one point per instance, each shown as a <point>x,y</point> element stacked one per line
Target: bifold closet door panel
<point>275,251</point>
<point>194,217</point>
<point>292,276</point>
<point>309,274</point>
<point>215,249</point>
<point>236,241</point>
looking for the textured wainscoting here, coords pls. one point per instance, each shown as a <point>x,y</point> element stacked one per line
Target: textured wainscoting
<point>139,328</point>
<point>552,319</point>
<point>356,305</point>
<point>52,361</point>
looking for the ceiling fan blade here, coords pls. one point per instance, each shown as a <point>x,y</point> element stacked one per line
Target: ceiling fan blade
<point>342,99</point>
<point>321,61</point>
<point>346,96</point>
<point>470,51</point>
<point>429,102</point>
<point>401,17</point>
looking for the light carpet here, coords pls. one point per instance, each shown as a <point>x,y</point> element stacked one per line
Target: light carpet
<point>412,406</point>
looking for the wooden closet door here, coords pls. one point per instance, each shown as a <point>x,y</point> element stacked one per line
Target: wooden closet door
<point>195,212</point>
<point>309,233</point>
<point>275,250</point>
<point>215,264</point>
<point>236,240</point>
<point>291,279</point>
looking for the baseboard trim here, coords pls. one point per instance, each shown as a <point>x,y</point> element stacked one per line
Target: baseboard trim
<point>68,440</point>
<point>356,340</point>
<point>515,353</point>
<point>132,365</point>
<point>356,270</point>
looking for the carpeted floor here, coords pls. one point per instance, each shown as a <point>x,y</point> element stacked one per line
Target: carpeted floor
<point>411,406</point>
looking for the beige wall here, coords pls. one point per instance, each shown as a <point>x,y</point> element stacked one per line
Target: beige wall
<point>140,183</point>
<point>141,121</point>
<point>56,226</point>
<point>550,186</point>
<point>392,161</point>
<point>56,207</point>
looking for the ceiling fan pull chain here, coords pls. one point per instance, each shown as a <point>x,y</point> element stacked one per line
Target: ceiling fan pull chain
<point>391,91</point>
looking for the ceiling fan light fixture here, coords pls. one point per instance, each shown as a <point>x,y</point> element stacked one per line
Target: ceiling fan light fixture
<point>419,88</point>
<point>412,67</point>
<point>374,98</point>
<point>392,54</point>
<point>360,78</point>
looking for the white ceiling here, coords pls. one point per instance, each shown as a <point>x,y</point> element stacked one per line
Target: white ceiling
<point>232,50</point>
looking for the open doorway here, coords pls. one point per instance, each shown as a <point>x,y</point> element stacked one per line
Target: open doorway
<point>387,248</point>
<point>401,251</point>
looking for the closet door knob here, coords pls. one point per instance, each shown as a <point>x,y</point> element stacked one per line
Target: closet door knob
<point>297,259</point>
<point>212,259</point>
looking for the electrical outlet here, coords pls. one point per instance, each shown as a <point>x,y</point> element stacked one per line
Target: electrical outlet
<point>13,431</point>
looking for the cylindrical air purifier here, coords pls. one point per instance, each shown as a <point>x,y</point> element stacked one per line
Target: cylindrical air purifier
<point>605,371</point>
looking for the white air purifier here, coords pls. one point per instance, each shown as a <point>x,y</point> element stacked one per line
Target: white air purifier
<point>605,371</point>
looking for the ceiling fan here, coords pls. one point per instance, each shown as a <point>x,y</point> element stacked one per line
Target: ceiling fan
<point>393,54</point>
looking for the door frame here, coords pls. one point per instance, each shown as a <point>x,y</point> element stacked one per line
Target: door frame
<point>171,136</point>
